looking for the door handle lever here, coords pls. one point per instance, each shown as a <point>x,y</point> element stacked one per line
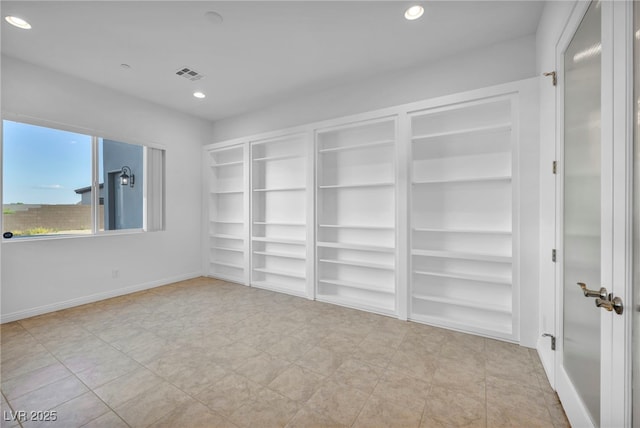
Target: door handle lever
<point>611,305</point>
<point>602,293</point>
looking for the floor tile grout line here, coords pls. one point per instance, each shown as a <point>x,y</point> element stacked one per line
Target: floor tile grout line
<point>10,406</point>
<point>72,374</point>
<point>265,310</point>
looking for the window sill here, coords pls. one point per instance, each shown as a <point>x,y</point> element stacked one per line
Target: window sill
<point>38,238</point>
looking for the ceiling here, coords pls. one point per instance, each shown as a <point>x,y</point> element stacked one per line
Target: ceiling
<point>261,53</point>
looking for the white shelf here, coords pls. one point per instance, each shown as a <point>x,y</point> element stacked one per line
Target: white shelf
<point>358,264</point>
<point>464,256</point>
<point>279,189</point>
<point>357,285</point>
<point>223,236</point>
<point>463,231</point>
<point>467,277</point>
<point>480,326</point>
<point>267,285</point>
<point>281,255</point>
<point>226,277</point>
<point>223,164</point>
<point>356,226</point>
<point>502,127</point>
<point>227,264</point>
<point>358,146</point>
<point>359,247</point>
<point>280,273</point>
<point>235,250</point>
<point>280,157</point>
<point>224,192</point>
<point>279,240</point>
<point>465,303</point>
<point>344,186</point>
<point>362,304</point>
<point>226,222</point>
<point>506,178</point>
<point>278,223</point>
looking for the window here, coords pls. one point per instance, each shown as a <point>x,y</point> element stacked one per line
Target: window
<point>121,204</point>
<point>51,188</point>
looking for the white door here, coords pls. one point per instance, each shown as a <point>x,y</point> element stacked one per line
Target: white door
<point>593,216</point>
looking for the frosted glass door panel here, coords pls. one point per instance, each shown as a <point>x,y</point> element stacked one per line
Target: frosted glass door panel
<point>582,157</point>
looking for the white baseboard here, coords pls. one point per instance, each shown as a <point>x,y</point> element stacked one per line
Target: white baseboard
<point>44,309</point>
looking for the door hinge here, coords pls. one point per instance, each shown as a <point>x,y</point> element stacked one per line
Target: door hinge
<point>553,255</point>
<point>554,77</point>
<point>555,167</point>
<point>553,340</point>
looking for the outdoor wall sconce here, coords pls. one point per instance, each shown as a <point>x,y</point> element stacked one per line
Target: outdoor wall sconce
<point>127,179</point>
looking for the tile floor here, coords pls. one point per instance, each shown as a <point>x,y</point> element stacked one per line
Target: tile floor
<point>206,353</point>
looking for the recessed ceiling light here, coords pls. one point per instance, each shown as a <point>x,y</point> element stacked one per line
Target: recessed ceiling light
<point>199,94</point>
<point>17,22</point>
<point>414,12</point>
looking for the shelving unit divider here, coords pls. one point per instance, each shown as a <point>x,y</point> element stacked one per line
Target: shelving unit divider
<point>247,211</point>
<point>310,267</point>
<point>403,178</point>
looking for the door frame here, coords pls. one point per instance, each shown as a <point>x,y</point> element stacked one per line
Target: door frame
<point>622,111</point>
<point>617,143</point>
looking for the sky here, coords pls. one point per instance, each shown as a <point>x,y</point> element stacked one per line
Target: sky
<point>43,165</point>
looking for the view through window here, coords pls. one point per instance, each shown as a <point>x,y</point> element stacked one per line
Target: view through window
<point>48,185</point>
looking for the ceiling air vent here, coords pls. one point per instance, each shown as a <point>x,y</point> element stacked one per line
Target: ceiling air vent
<point>189,73</point>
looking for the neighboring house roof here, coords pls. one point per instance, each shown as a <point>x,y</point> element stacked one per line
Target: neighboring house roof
<point>82,190</point>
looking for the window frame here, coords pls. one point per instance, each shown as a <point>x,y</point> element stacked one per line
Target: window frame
<point>95,136</point>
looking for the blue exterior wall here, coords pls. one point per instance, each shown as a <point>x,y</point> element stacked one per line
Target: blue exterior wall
<point>115,156</point>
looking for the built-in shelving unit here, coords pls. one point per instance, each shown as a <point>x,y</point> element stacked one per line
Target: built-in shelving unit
<point>410,211</point>
<point>279,214</point>
<point>355,210</point>
<point>227,235</point>
<point>462,217</point>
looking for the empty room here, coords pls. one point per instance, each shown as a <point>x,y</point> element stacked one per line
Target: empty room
<point>320,213</point>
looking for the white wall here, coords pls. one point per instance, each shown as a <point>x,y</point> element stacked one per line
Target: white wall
<point>500,63</point>
<point>43,275</point>
<point>552,23</point>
